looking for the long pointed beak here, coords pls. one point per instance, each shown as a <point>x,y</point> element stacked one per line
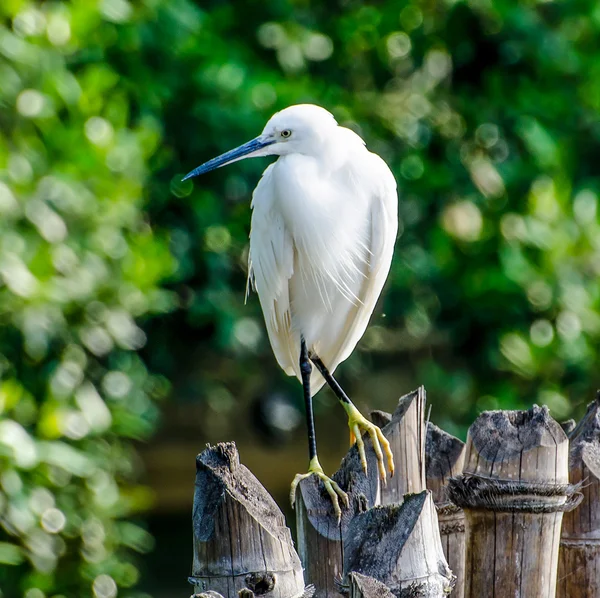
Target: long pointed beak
<point>251,149</point>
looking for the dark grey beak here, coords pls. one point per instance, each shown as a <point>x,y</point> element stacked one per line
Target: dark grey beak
<point>243,151</point>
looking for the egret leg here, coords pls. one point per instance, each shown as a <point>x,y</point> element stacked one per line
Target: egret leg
<point>358,424</point>
<point>314,467</point>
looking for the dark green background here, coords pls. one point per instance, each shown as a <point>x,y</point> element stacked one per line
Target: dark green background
<point>122,289</point>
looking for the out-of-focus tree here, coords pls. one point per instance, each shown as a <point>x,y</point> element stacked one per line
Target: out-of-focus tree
<point>79,267</point>
<point>488,114</point>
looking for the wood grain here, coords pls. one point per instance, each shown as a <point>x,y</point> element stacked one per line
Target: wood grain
<point>444,458</point>
<point>579,561</point>
<point>399,546</point>
<point>406,434</point>
<point>240,538</point>
<point>513,488</point>
<point>363,586</point>
<point>320,538</point>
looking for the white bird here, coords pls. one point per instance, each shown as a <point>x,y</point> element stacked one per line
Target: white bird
<point>324,224</point>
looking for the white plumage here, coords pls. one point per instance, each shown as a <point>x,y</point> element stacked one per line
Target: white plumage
<point>324,224</point>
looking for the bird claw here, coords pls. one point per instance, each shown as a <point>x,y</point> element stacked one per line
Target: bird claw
<point>358,424</point>
<point>333,489</point>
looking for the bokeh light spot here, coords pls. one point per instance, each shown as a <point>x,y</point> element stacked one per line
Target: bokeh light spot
<point>398,44</point>
<point>104,586</point>
<point>58,30</point>
<point>217,239</point>
<point>30,103</point>
<point>117,11</point>
<point>53,520</point>
<point>99,131</point>
<point>541,333</point>
<point>463,221</point>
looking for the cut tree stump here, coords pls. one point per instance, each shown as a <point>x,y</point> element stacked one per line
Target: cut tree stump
<point>444,458</point>
<point>398,546</point>
<point>579,561</point>
<point>319,535</point>
<point>320,539</point>
<point>241,544</point>
<point>514,490</point>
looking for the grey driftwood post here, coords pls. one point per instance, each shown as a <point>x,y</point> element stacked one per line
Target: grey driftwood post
<point>444,458</point>
<point>579,561</point>
<point>241,544</point>
<point>514,490</point>
<point>398,546</point>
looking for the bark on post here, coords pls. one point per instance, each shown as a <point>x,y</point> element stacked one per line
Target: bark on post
<point>444,458</point>
<point>399,546</point>
<point>319,535</point>
<point>514,490</point>
<point>241,544</point>
<point>363,586</point>
<point>579,561</point>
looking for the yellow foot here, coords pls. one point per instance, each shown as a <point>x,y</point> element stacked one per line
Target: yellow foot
<point>334,491</point>
<point>359,424</point>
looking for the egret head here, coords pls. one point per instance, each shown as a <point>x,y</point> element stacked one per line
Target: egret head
<point>300,129</point>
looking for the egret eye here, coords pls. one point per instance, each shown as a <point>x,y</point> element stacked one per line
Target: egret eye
<point>286,133</point>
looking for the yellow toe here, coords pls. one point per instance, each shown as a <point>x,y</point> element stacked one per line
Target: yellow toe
<point>359,424</point>
<point>332,488</point>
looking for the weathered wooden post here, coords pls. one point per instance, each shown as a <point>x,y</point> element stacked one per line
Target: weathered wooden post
<point>241,544</point>
<point>514,490</point>
<point>444,458</point>
<point>320,536</point>
<point>579,561</point>
<point>398,546</point>
<point>405,430</point>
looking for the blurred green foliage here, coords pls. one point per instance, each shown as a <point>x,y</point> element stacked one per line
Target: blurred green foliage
<point>79,266</point>
<point>488,114</point>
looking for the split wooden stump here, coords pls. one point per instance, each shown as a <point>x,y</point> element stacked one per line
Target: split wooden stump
<point>242,546</point>
<point>405,431</point>
<point>500,533</point>
<point>579,562</point>
<point>514,490</point>
<point>320,538</point>
<point>399,546</point>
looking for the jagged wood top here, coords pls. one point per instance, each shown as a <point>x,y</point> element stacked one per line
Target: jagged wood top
<point>376,537</point>
<point>503,435</point>
<point>585,439</point>
<point>219,472</point>
<point>442,452</point>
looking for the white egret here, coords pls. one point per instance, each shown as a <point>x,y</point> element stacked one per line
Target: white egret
<point>324,223</point>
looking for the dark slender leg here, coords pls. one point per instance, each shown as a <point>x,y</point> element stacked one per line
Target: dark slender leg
<point>358,423</point>
<point>314,468</point>
<point>306,370</point>
<point>333,383</point>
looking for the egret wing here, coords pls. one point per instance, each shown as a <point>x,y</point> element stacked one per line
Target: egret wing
<point>270,266</point>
